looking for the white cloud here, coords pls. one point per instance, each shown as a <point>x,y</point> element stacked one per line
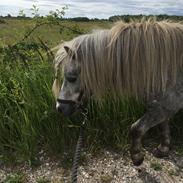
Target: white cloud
<point>96,8</point>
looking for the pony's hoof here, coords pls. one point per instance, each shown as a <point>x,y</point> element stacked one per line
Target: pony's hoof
<point>137,159</point>
<point>158,153</point>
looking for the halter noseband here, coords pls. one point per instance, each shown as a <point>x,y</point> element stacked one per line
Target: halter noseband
<point>63,101</point>
<point>66,101</point>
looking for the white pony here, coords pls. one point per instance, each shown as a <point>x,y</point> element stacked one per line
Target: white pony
<point>143,59</point>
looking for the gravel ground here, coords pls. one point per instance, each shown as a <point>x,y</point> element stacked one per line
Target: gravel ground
<point>107,167</point>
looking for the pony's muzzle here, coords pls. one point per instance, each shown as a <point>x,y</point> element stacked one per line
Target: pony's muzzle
<point>66,107</point>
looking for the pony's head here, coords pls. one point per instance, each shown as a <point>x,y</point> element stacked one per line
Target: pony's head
<point>80,65</point>
<point>67,85</point>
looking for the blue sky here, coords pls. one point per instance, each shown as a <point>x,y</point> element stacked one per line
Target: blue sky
<point>95,8</point>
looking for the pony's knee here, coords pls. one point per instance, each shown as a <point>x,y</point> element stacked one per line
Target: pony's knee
<point>137,130</point>
<point>134,131</point>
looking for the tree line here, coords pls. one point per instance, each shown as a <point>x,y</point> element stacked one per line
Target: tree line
<point>114,18</point>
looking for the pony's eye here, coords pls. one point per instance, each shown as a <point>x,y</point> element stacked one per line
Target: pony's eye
<point>71,79</point>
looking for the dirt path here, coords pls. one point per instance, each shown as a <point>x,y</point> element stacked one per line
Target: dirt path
<point>116,168</point>
<point>108,167</point>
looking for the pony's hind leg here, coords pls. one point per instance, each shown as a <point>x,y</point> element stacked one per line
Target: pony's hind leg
<point>163,149</point>
<point>155,115</point>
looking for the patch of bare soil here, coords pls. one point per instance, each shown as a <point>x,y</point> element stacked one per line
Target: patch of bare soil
<point>108,167</point>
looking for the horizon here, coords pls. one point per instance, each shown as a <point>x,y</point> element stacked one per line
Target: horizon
<point>94,9</point>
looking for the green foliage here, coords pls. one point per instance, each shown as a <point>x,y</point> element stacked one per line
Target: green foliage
<point>35,11</point>
<point>21,14</point>
<point>25,97</point>
<point>57,14</point>
<point>156,166</point>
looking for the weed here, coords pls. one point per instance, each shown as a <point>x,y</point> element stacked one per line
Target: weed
<point>156,166</point>
<point>43,180</point>
<point>16,178</point>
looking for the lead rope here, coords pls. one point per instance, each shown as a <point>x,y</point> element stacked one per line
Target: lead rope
<point>79,147</point>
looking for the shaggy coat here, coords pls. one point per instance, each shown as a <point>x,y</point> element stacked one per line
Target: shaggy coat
<point>138,58</point>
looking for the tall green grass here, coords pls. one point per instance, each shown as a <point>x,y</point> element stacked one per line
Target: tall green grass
<point>29,121</point>
<point>25,102</point>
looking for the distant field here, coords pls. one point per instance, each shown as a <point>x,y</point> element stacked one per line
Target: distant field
<point>13,30</point>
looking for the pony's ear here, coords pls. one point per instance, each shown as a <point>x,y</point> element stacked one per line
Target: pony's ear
<point>67,49</point>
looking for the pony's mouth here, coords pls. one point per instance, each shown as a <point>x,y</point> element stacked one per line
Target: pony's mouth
<point>65,109</point>
<point>68,107</point>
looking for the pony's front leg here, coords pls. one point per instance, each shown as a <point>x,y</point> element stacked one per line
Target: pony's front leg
<point>159,112</point>
<point>155,115</point>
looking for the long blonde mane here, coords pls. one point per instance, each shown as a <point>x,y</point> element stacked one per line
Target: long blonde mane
<point>140,58</point>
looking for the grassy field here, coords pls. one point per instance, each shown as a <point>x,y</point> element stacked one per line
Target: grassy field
<point>14,29</point>
<point>28,120</point>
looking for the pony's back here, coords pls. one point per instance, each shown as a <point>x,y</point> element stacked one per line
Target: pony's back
<point>139,58</point>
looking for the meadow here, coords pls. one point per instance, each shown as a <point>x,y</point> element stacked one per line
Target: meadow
<point>29,122</point>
